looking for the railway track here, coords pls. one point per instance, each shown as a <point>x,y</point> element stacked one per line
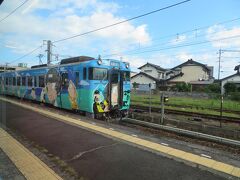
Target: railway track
<point>185,113</point>
<point>189,106</point>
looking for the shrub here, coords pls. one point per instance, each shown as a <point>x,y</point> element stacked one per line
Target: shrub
<point>213,88</point>
<point>230,87</point>
<point>182,87</point>
<point>234,96</point>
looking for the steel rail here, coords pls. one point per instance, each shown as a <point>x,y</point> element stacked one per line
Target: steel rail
<point>184,132</point>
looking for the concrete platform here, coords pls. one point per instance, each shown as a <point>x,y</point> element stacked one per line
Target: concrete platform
<point>101,153</point>
<point>27,163</point>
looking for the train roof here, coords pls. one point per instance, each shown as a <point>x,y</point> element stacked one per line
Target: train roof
<point>64,62</point>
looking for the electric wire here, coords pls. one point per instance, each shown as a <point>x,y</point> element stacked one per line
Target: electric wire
<point>121,22</point>
<point>13,11</point>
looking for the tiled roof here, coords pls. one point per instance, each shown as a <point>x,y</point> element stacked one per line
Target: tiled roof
<point>153,65</point>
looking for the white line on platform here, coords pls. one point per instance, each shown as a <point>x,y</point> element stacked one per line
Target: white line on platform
<point>164,144</point>
<point>134,135</point>
<point>93,123</point>
<point>204,155</point>
<point>111,129</point>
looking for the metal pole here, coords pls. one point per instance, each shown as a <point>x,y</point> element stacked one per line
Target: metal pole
<point>49,52</point>
<point>162,108</point>
<point>150,101</point>
<point>219,63</point>
<point>221,109</point>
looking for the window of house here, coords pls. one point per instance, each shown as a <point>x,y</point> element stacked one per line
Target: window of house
<point>65,80</point>
<point>41,80</point>
<point>97,74</point>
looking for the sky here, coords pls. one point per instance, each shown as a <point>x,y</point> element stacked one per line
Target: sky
<point>193,30</point>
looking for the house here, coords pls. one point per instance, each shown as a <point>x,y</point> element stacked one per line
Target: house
<point>197,74</point>
<point>234,78</point>
<point>149,74</point>
<point>153,70</point>
<point>191,72</point>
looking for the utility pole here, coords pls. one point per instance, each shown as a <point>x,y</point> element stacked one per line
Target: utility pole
<point>6,65</point>
<point>150,100</point>
<point>40,56</point>
<point>162,108</point>
<point>49,52</point>
<point>219,62</point>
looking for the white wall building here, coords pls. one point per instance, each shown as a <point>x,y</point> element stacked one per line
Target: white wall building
<point>235,78</point>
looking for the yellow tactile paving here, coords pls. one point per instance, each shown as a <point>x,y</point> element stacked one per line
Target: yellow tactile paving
<point>236,172</point>
<point>196,159</point>
<point>29,165</point>
<point>223,167</point>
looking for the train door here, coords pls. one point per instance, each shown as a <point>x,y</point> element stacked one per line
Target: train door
<point>64,90</point>
<point>115,88</point>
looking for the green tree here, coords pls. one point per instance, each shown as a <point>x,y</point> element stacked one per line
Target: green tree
<point>213,88</point>
<point>230,87</point>
<point>135,85</point>
<point>182,87</point>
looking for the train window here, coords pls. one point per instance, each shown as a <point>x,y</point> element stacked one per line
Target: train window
<point>41,81</point>
<point>30,79</point>
<point>35,81</point>
<point>14,81</point>
<point>114,77</point>
<point>65,80</point>
<point>97,74</point>
<point>76,78</point>
<point>6,81</point>
<point>23,81</point>
<point>10,81</point>
<point>84,73</point>
<point>19,81</point>
<point>126,76</point>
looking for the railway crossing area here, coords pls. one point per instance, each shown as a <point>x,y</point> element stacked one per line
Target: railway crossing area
<point>97,150</point>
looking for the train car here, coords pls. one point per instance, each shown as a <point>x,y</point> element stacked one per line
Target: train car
<point>97,87</point>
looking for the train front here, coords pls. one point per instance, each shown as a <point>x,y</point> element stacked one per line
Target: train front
<point>112,90</point>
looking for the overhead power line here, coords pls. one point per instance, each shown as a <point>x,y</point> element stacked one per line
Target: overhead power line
<point>26,54</point>
<point>14,10</point>
<point>178,46</point>
<point>121,22</point>
<point>197,29</point>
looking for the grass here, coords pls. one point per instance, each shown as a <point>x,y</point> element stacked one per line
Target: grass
<point>205,106</point>
<point>189,102</point>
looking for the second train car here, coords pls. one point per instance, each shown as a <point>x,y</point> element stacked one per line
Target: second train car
<point>94,86</point>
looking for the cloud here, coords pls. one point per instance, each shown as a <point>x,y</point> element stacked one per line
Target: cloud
<point>220,32</point>
<point>51,19</point>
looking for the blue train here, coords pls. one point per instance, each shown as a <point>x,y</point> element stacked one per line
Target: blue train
<point>97,87</point>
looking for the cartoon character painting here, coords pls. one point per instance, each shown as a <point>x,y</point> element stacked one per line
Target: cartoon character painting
<point>72,91</point>
<point>52,92</point>
<point>33,94</point>
<point>101,104</point>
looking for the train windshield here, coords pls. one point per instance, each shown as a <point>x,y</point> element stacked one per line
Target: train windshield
<point>126,76</point>
<point>98,74</point>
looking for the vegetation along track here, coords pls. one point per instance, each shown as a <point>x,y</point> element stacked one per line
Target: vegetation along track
<point>185,113</point>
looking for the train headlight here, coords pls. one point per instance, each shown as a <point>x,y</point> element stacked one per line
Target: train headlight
<point>99,61</point>
<point>127,65</point>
